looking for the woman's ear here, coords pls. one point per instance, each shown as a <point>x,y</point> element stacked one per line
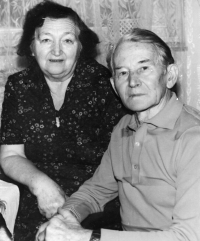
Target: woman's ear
<point>32,49</point>
<point>80,48</point>
<point>113,84</point>
<point>172,75</point>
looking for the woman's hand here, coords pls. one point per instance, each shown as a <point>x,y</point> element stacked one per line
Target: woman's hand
<point>62,229</point>
<point>49,195</point>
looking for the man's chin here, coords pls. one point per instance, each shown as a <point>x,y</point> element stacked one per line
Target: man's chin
<point>137,108</point>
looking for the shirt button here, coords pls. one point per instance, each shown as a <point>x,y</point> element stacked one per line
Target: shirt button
<point>135,166</point>
<point>137,144</point>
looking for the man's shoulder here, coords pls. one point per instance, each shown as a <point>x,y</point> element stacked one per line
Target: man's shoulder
<point>191,113</point>
<point>189,117</point>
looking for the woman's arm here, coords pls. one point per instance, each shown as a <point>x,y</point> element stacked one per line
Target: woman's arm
<point>15,165</point>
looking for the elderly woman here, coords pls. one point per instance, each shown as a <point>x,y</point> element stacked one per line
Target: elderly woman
<point>57,114</point>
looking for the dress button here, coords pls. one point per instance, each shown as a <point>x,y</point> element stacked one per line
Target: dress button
<point>137,144</point>
<point>135,166</point>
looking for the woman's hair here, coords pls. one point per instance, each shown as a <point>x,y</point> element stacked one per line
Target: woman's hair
<point>164,55</point>
<point>47,9</point>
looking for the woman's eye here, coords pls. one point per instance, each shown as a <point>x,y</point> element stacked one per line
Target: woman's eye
<point>69,41</point>
<point>46,40</point>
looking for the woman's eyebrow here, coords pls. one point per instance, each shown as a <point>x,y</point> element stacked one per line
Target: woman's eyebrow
<point>49,33</point>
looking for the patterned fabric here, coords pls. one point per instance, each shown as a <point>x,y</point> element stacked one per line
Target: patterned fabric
<point>69,154</point>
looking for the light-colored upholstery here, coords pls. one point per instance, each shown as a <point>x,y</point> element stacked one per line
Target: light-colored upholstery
<point>9,203</point>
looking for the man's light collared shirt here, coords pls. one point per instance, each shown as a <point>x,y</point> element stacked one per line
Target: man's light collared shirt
<point>155,169</point>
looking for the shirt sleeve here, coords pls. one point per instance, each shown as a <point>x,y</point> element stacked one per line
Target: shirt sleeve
<point>186,213</point>
<point>11,128</point>
<point>95,192</point>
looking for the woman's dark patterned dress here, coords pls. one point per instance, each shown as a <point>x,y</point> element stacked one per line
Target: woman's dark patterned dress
<point>68,154</point>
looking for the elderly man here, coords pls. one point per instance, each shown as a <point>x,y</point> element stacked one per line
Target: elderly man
<point>153,159</point>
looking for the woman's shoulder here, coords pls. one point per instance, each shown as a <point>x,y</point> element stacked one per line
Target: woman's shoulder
<point>23,76</point>
<point>20,75</point>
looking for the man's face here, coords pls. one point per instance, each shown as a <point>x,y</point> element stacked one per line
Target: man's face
<point>139,80</point>
<point>56,48</point>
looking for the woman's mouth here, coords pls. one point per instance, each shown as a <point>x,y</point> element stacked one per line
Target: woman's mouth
<point>56,60</point>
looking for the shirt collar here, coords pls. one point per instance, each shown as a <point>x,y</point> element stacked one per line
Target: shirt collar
<point>166,118</point>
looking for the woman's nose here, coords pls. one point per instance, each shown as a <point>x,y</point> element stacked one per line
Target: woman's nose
<point>57,49</point>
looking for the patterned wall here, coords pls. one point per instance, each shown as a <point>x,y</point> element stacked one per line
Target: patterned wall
<point>108,18</point>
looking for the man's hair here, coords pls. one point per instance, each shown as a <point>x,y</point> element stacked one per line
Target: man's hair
<point>47,9</point>
<point>164,55</point>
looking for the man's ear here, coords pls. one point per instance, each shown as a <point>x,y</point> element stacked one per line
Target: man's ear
<point>172,75</point>
<point>113,84</point>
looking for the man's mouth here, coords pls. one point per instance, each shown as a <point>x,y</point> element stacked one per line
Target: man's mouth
<point>136,95</point>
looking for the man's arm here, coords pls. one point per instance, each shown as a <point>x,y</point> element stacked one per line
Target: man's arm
<point>93,195</point>
<point>65,229</point>
<point>186,213</point>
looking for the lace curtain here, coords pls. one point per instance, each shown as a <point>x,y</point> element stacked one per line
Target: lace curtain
<point>110,19</point>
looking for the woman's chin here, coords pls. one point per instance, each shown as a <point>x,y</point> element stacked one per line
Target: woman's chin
<point>56,76</point>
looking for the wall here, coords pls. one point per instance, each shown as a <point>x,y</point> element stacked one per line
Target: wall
<point>110,19</point>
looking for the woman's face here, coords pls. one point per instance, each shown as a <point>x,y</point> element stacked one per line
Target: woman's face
<point>56,48</point>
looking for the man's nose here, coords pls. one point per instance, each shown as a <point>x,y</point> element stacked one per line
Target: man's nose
<point>57,49</point>
<point>134,80</point>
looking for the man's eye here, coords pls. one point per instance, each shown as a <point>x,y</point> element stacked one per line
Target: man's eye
<point>123,74</point>
<point>144,68</point>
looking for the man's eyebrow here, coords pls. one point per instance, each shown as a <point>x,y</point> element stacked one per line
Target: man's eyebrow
<point>118,67</point>
<point>139,62</point>
<point>145,61</point>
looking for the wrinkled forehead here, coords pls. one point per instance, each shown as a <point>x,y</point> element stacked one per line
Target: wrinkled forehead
<point>126,46</point>
<point>64,25</point>
<point>135,52</point>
